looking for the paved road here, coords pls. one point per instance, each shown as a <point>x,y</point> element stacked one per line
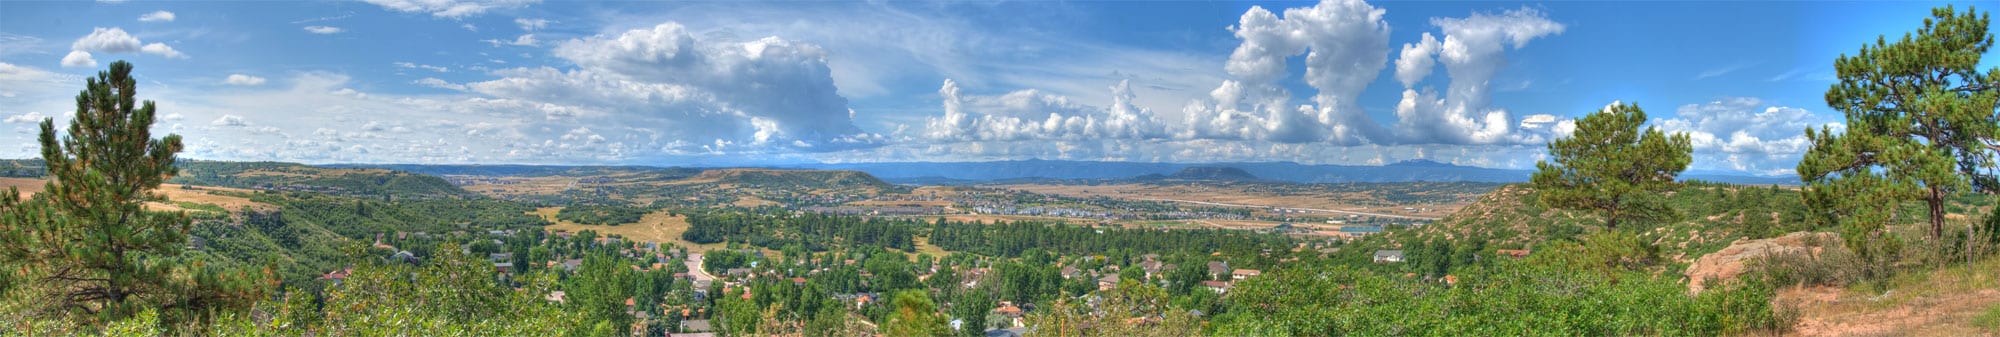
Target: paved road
<point>694,262</point>
<point>1293,208</point>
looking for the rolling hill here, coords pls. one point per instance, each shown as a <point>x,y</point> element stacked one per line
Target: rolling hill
<point>771,179</point>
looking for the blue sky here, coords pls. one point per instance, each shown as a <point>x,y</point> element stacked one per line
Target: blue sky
<point>744,83</point>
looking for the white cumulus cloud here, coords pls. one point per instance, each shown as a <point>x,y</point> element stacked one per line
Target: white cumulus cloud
<point>1473,54</point>
<point>241,79</point>
<point>112,40</point>
<point>439,83</point>
<point>530,25</point>
<point>229,120</point>
<point>157,16</point>
<point>30,117</point>
<point>1034,115</point>
<point>454,9</point>
<point>690,95</point>
<point>163,50</point>
<point>409,65</point>
<point>78,58</point>
<point>1745,134</point>
<point>1346,45</point>
<point>323,30</point>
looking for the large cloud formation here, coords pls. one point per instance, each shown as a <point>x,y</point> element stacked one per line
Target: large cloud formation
<point>1346,45</point>
<point>1018,116</point>
<point>655,95</point>
<point>1744,134</point>
<point>694,95</point>
<point>1472,53</point>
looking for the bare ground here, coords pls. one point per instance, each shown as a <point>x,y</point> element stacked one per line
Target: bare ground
<point>1938,303</point>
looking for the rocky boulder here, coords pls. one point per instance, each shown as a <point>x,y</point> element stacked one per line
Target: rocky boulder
<point>1730,262</point>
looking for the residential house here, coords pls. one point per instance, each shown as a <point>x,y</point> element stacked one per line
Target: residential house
<point>1388,256</point>
<point>1217,268</point>
<point>1107,282</point>
<point>1008,309</point>
<point>695,325</point>
<point>1244,273</point>
<point>1151,267</point>
<point>1218,287</point>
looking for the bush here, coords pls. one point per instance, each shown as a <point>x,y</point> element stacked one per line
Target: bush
<point>1833,266</point>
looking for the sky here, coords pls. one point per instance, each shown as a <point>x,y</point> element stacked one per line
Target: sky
<point>720,83</point>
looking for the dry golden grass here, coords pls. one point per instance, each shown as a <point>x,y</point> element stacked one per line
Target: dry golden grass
<point>200,194</point>
<point>173,192</point>
<point>750,201</point>
<point>660,226</point>
<point>28,186</point>
<point>924,247</point>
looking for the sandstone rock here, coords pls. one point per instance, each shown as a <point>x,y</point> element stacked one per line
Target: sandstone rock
<point>1729,262</point>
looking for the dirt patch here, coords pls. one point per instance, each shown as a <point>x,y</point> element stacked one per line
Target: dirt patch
<point>1830,311</point>
<point>1934,303</point>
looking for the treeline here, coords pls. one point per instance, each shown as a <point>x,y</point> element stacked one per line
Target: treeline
<point>1010,239</point>
<point>357,218</point>
<point>813,232</point>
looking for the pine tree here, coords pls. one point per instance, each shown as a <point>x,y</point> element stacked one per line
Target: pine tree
<point>88,232</point>
<point>1920,126</point>
<point>1609,166</point>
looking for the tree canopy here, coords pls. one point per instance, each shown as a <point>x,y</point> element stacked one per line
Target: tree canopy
<point>1920,126</point>
<point>88,246</point>
<point>1610,166</point>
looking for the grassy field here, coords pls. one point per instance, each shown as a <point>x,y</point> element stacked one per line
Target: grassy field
<point>659,226</point>
<point>173,192</point>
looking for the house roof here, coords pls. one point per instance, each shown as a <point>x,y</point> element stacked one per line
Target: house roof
<point>695,325</point>
<point>1388,253</point>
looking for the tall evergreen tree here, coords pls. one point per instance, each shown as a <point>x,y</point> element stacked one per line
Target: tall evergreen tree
<point>1610,166</point>
<point>87,242</point>
<point>1920,126</point>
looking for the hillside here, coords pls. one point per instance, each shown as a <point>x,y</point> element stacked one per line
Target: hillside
<point>299,177</point>
<point>800,180</point>
<point>1210,173</point>
<point>1711,216</point>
